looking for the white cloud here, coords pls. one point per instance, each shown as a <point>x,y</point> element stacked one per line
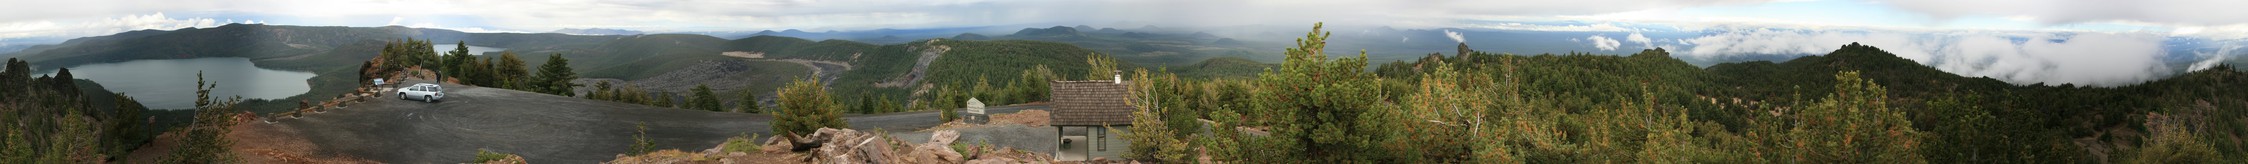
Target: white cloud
<point>2100,59</point>
<point>100,26</point>
<point>2217,32</point>
<point>1456,36</point>
<point>1537,27</point>
<point>1643,41</point>
<point>1603,43</point>
<point>2205,12</point>
<point>2228,50</point>
<point>688,15</point>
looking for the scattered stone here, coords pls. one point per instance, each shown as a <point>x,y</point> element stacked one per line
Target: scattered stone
<point>828,145</point>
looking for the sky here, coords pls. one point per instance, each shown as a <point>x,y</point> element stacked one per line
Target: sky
<point>2093,42</point>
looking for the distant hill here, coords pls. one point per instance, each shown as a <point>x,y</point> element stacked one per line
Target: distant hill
<point>970,36</point>
<point>333,52</point>
<point>1152,46</point>
<point>597,31</point>
<point>1223,67</point>
<point>1052,32</point>
<point>272,46</point>
<point>2045,120</point>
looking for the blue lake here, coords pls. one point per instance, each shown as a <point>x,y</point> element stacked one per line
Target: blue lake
<point>170,83</point>
<point>472,50</point>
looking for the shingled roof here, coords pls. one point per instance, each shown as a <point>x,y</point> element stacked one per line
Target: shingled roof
<point>1090,103</point>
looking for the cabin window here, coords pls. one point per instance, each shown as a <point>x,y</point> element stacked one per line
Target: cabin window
<point>1103,143</point>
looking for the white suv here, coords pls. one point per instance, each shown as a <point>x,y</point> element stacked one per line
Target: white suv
<point>424,91</point>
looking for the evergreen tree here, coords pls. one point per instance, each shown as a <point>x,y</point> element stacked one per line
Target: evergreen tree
<point>1853,125</point>
<point>982,90</point>
<point>554,77</point>
<point>705,100</point>
<point>661,99</point>
<point>2174,138</point>
<point>945,105</point>
<point>1960,122</point>
<point>640,142</point>
<point>204,139</point>
<point>602,91</point>
<point>1100,67</point>
<point>456,63</point>
<point>511,71</point>
<point>634,95</point>
<point>1324,131</point>
<point>1153,137</point>
<point>805,106</point>
<point>485,74</point>
<point>866,103</point>
<point>126,129</point>
<point>748,102</point>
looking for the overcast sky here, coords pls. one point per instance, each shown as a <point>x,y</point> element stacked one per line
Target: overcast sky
<point>2084,40</point>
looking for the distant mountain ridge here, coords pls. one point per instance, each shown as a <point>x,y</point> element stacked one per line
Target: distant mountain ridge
<point>332,52</point>
<point>597,31</point>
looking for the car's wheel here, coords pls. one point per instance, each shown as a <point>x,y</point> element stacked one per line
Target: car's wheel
<point>401,96</point>
<point>427,99</point>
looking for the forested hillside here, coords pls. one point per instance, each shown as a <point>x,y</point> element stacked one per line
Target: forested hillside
<point>59,119</point>
<point>1858,104</point>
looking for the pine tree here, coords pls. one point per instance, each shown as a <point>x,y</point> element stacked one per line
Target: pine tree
<point>945,105</point>
<point>1961,122</point>
<point>125,130</point>
<point>1153,136</point>
<point>457,62</point>
<point>748,102</point>
<point>705,100</point>
<point>1324,131</point>
<point>205,138</point>
<point>74,140</point>
<point>1036,83</point>
<point>1853,125</point>
<point>602,91</point>
<point>512,72</point>
<point>982,90</point>
<point>640,142</point>
<point>661,99</point>
<point>866,103</point>
<point>805,106</point>
<point>554,77</point>
<point>1100,67</point>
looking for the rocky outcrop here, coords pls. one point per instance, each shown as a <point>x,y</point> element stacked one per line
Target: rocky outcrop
<point>829,145</point>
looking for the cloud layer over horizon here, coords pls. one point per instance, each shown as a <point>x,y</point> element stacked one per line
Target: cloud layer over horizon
<point>2099,59</point>
<point>2094,42</point>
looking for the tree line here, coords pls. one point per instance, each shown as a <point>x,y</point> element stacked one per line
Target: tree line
<point>1641,108</point>
<point>506,71</point>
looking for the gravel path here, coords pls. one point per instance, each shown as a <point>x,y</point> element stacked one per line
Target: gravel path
<point>542,128</point>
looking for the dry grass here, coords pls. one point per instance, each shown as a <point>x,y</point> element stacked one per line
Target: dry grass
<point>1030,118</point>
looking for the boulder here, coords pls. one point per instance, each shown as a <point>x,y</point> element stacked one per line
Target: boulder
<point>828,145</point>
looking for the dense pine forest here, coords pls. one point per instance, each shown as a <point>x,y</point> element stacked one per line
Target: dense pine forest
<point>1858,104</point>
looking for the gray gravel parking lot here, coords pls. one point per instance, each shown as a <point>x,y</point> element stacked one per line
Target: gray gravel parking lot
<point>542,128</point>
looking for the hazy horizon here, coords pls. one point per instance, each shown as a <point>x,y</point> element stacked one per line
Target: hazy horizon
<point>2019,41</point>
